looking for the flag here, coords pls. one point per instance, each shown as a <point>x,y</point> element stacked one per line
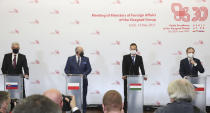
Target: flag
<point>73,86</point>
<point>135,86</point>
<point>11,85</point>
<point>199,87</point>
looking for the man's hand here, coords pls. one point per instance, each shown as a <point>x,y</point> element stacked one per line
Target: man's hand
<point>124,77</point>
<point>73,102</point>
<point>26,76</point>
<point>193,62</point>
<point>185,77</point>
<point>145,78</point>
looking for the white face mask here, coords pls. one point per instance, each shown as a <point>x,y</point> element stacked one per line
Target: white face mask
<point>133,52</point>
<point>190,55</point>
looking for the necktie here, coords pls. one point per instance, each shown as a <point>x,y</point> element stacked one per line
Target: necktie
<point>133,61</point>
<point>14,61</point>
<point>191,66</point>
<point>78,61</point>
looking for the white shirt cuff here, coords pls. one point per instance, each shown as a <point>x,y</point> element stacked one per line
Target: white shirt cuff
<point>75,109</point>
<point>195,64</point>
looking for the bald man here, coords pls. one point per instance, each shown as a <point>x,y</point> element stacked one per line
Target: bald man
<point>79,64</point>
<point>56,97</point>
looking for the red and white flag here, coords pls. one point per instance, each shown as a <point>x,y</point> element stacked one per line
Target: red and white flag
<point>73,86</point>
<point>199,87</point>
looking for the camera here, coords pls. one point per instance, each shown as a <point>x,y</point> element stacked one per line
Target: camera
<point>66,103</point>
<point>13,103</point>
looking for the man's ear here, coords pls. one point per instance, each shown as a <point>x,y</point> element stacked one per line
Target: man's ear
<point>103,107</point>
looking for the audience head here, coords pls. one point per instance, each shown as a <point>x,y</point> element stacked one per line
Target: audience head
<point>37,104</point>
<point>112,102</point>
<point>181,89</point>
<point>55,96</point>
<point>4,101</point>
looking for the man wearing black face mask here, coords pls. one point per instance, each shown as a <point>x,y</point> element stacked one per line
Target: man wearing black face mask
<point>130,66</point>
<point>79,64</point>
<point>14,63</point>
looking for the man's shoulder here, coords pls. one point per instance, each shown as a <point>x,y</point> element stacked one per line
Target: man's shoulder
<point>161,110</point>
<point>184,59</point>
<point>127,55</point>
<point>7,54</point>
<point>20,54</point>
<point>70,57</point>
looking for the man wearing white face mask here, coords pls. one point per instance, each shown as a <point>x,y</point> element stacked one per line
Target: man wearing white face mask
<point>190,66</point>
<point>130,66</point>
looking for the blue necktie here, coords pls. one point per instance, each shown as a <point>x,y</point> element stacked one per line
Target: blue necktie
<point>78,61</point>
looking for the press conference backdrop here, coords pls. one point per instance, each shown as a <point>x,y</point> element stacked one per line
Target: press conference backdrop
<point>49,30</point>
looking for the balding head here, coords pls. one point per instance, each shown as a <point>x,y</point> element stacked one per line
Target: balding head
<point>55,96</point>
<point>79,50</point>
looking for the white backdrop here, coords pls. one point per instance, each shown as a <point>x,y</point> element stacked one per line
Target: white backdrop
<point>49,30</point>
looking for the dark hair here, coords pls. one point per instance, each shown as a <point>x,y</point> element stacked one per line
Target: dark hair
<point>4,96</point>
<point>37,104</point>
<point>134,44</point>
<point>112,101</point>
<point>189,49</point>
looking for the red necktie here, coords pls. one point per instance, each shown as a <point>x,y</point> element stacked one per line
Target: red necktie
<point>14,61</point>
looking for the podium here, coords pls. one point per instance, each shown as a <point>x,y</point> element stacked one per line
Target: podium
<point>14,85</point>
<point>74,86</point>
<point>200,87</point>
<point>135,97</point>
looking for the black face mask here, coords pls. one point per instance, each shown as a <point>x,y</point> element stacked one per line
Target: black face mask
<point>15,51</point>
<point>81,54</point>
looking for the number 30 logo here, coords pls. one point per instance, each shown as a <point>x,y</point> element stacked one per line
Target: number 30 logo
<point>181,13</point>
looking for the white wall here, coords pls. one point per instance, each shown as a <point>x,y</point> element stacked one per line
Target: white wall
<point>49,30</point>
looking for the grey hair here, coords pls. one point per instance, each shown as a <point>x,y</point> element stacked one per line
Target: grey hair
<point>15,43</point>
<point>4,96</point>
<point>181,89</point>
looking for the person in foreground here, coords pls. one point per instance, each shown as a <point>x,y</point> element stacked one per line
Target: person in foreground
<point>112,102</point>
<point>56,97</point>
<point>37,104</point>
<point>181,93</point>
<point>4,102</point>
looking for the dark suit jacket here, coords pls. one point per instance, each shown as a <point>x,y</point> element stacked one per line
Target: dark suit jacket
<point>128,68</point>
<point>7,67</point>
<point>185,70</point>
<point>73,68</point>
<point>179,107</point>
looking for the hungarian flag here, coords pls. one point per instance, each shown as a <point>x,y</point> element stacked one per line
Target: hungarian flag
<point>11,85</point>
<point>199,87</point>
<point>135,86</point>
<point>73,86</point>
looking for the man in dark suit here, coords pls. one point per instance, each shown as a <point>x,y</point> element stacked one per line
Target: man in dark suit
<point>190,66</point>
<point>79,64</point>
<point>130,66</point>
<point>14,63</point>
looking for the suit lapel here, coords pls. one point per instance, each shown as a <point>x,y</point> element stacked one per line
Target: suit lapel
<point>188,63</point>
<point>18,60</point>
